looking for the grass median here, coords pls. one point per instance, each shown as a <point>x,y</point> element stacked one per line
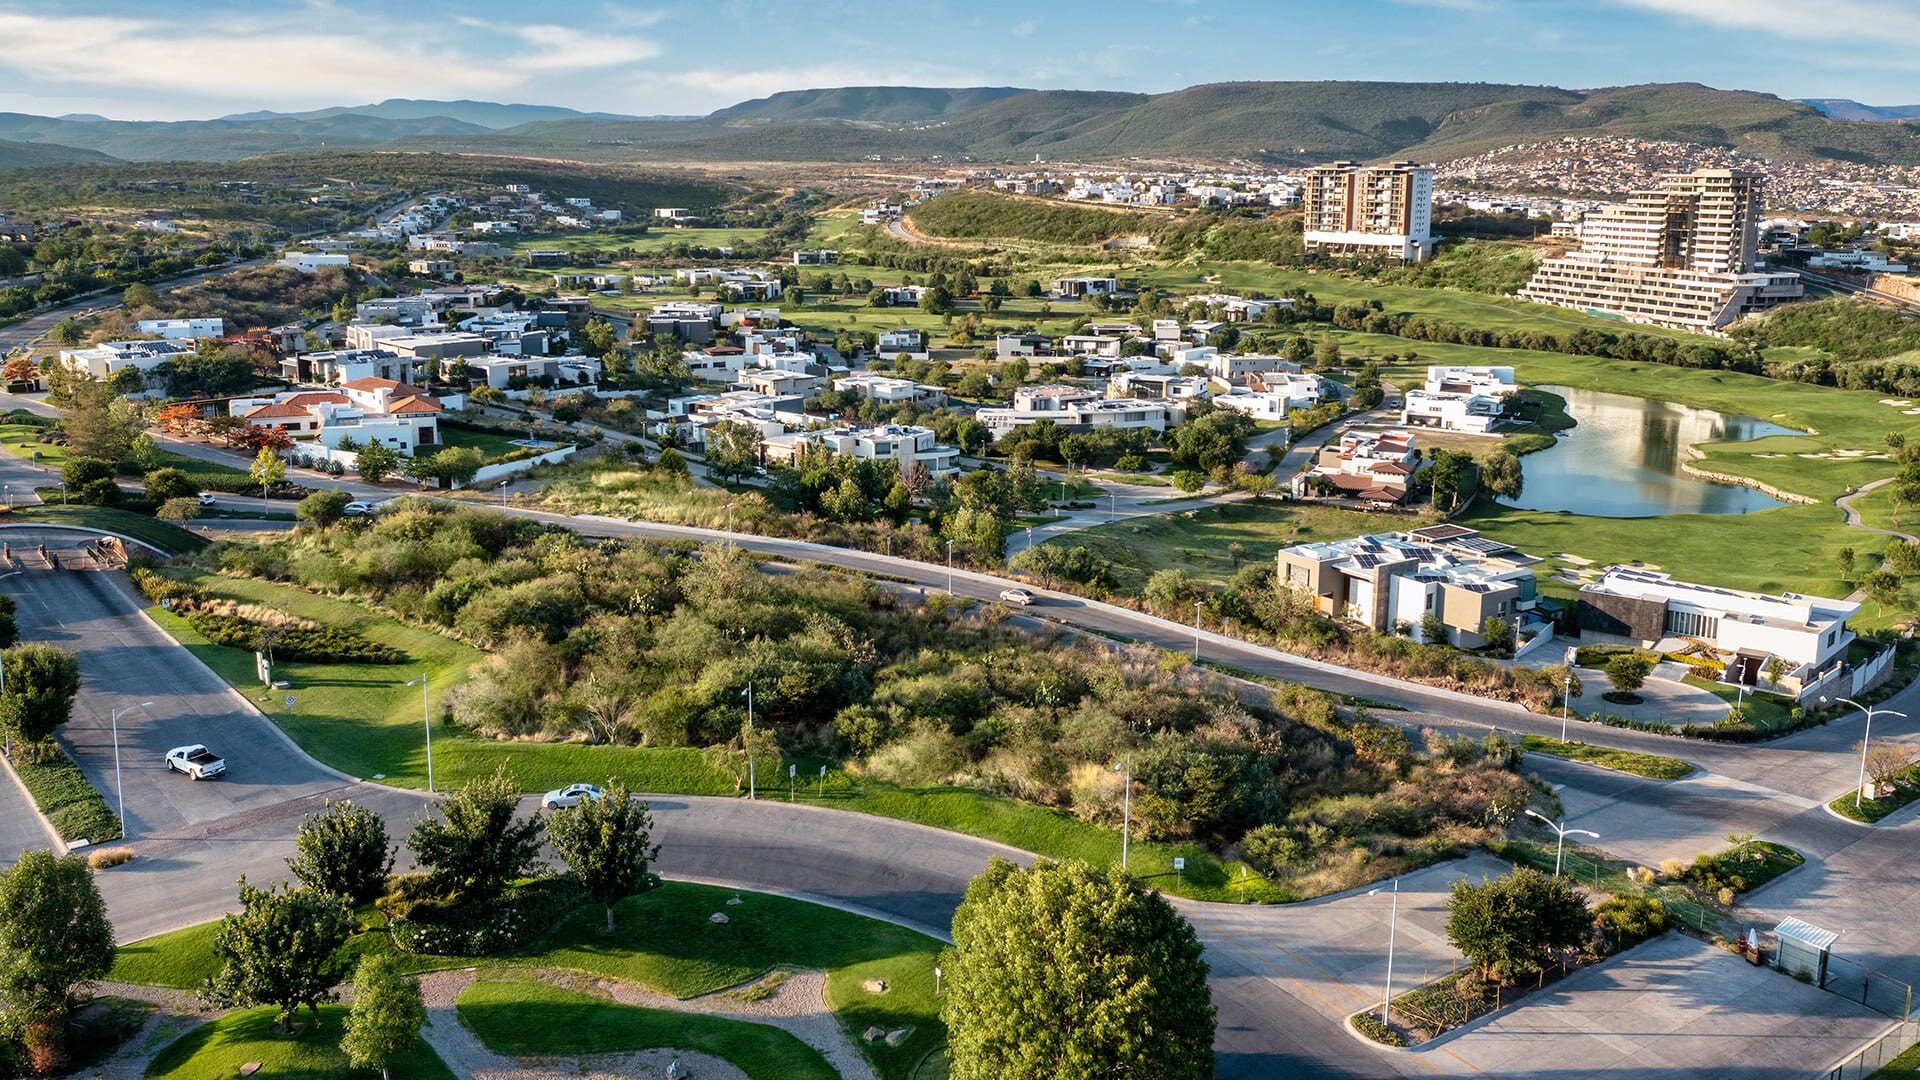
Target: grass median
<point>1653,766</point>
<point>218,1050</point>
<point>168,538</point>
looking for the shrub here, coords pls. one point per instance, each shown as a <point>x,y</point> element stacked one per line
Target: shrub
<point>482,928</point>
<point>102,492</point>
<point>102,858</point>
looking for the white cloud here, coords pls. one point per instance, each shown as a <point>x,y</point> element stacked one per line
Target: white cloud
<point>1024,28</point>
<point>562,48</point>
<point>1864,21</point>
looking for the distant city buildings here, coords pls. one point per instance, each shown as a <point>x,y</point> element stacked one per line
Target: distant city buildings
<point>1362,208</point>
<point>1681,255</point>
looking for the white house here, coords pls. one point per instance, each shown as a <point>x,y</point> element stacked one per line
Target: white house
<point>367,410</point>
<point>894,342</point>
<point>1459,398</point>
<point>890,391</point>
<point>308,261</point>
<point>1746,630</point>
<point>1238,308</point>
<point>101,361</point>
<point>905,445</point>
<point>182,329</point>
<point>1075,408</point>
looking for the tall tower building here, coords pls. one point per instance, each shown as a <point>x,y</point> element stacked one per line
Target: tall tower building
<point>1370,207</point>
<point>1681,255</point>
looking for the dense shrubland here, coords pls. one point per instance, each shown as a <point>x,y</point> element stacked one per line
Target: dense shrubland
<point>649,643</point>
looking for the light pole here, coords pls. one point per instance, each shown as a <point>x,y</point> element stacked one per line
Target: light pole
<point>752,786</point>
<point>1566,703</point>
<point>1125,769</point>
<point>500,489</point>
<point>1865,737</point>
<point>426,720</point>
<point>1562,830</point>
<point>119,789</point>
<point>1196,629</point>
<point>1113,505</point>
<point>729,526</point>
<point>1029,546</point>
<point>1393,927</point>
<point>949,568</point>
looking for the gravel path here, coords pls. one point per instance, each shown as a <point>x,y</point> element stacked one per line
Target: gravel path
<point>176,1012</point>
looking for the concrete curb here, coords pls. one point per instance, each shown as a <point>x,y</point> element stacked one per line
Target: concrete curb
<point>53,835</point>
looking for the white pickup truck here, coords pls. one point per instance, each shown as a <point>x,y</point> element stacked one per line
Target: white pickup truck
<point>196,761</point>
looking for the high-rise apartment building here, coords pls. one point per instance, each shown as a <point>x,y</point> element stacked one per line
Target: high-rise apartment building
<point>1681,255</point>
<point>1353,208</point>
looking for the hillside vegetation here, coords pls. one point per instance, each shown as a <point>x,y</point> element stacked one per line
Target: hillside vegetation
<point>976,215</point>
<point>873,104</point>
<point>33,155</point>
<point>1495,269</point>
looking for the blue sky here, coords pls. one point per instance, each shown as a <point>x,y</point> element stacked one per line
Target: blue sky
<point>200,58</point>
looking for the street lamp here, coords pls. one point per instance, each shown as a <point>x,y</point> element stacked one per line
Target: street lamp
<point>1125,769</point>
<point>1393,927</point>
<point>1029,546</point>
<point>119,789</point>
<point>1196,629</point>
<point>752,786</point>
<point>1865,737</point>
<point>501,490</point>
<point>426,719</point>
<point>949,568</point>
<point>1113,505</point>
<point>1562,830</point>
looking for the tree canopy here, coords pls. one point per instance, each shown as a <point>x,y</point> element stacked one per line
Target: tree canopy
<point>343,850</point>
<point>1073,972</point>
<point>479,848</point>
<point>283,948</point>
<point>1510,927</point>
<point>607,843</point>
<point>54,940</point>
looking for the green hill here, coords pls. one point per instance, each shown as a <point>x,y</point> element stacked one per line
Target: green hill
<point>872,104</point>
<point>27,155</point>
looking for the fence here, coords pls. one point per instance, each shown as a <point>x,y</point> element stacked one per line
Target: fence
<point>1857,982</point>
<point>1865,1063</point>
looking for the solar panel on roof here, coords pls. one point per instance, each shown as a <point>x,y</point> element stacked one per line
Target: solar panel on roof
<point>1482,546</point>
<point>1367,560</point>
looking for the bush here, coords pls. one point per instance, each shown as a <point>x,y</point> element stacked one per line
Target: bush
<point>77,473</point>
<point>325,645</point>
<point>102,492</point>
<point>62,792</point>
<point>102,858</point>
<point>432,928</point>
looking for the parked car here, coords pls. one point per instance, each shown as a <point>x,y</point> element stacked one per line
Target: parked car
<point>196,761</point>
<point>359,509</point>
<point>208,498</point>
<point>1016,596</point>
<point>571,795</point>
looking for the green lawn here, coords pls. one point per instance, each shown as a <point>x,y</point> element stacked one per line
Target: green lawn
<point>1203,545</point>
<point>24,440</point>
<point>486,442</point>
<point>182,959</point>
<point>524,1017</point>
<point>1764,711</point>
<point>217,1050</point>
<point>169,538</point>
<point>1649,765</point>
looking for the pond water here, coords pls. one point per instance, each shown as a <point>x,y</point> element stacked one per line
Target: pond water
<point>1622,459</point>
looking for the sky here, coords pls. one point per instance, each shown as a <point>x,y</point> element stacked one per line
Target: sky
<point>195,59</point>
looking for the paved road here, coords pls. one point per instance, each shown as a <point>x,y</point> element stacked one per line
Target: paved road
<point>28,331</point>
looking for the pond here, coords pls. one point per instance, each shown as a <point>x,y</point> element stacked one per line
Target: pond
<point>1622,459</point>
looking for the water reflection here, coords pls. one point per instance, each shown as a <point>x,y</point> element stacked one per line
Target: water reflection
<point>1623,459</point>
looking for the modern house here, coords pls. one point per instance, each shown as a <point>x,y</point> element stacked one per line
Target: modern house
<point>182,329</point>
<point>1076,409</point>
<point>369,410</point>
<point>1372,467</point>
<point>890,391</point>
<point>905,445</point>
<point>1390,582</point>
<point>101,361</point>
<point>1086,286</point>
<point>1466,399</point>
<point>1236,308</point>
<point>1745,630</point>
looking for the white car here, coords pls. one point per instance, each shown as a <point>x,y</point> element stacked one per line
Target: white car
<point>208,498</point>
<point>1016,596</point>
<point>359,509</point>
<point>571,795</point>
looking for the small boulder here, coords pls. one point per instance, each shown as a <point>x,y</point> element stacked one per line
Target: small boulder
<point>875,986</point>
<point>873,1034</point>
<point>718,917</point>
<point>735,902</point>
<point>896,1037</point>
<point>250,1068</point>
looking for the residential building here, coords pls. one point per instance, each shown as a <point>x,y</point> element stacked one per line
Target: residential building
<point>1076,409</point>
<point>547,257</point>
<point>1859,261</point>
<point>1090,345</point>
<point>907,446</point>
<point>1361,208</point>
<point>182,329</point>
<point>101,361</point>
<point>1390,582</point>
<point>673,213</point>
<point>1086,286</point>
<point>889,391</point>
<point>720,364</point>
<point>1010,346</point>
<point>308,261</point>
<point>440,268</point>
<point>1260,405</point>
<point>1465,399</point>
<point>820,257</point>
<point>1157,387</point>
<point>1166,330</point>
<point>1680,255</point>
<point>368,410</point>
<point>777,383</point>
<point>1302,391</point>
<point>1745,630</point>
<point>1233,367</point>
<point>894,342</point>
<point>1373,467</point>
<point>1237,308</point>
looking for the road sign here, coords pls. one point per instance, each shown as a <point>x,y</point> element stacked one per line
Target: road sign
<point>1179,864</point>
<point>289,701</point>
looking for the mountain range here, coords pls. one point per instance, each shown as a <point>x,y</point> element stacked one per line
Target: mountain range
<point>1285,123</point>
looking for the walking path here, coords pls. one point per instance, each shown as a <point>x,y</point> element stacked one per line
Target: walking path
<point>1845,502</point>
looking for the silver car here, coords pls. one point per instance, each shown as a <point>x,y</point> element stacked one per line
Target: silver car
<point>571,795</point>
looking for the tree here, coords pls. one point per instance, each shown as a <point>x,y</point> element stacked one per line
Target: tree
<point>671,463</point>
<point>1448,473</point>
<point>20,369</point>
<point>1883,587</point>
<point>139,295</point>
<point>1502,474</point>
<point>164,484</point>
<point>733,450</point>
<point>1902,557</point>
<point>267,471</point>
<point>42,680</point>
<point>1433,627</point>
<point>480,847</point>
<point>54,940</point>
<point>103,492</point>
<point>179,511</point>
<point>455,466</point>
<point>375,462</point>
<point>1510,927</point>
<point>386,1015</point>
<point>343,850</point>
<point>77,473</point>
<point>1846,564</point>
<point>323,509</point>
<point>67,332</point>
<point>1886,759</point>
<point>1065,970</point>
<point>607,844</point>
<point>1189,480</point>
<point>283,948</point>
<point>1628,672</point>
<point>1498,632</point>
<point>1328,356</point>
<point>600,338</point>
